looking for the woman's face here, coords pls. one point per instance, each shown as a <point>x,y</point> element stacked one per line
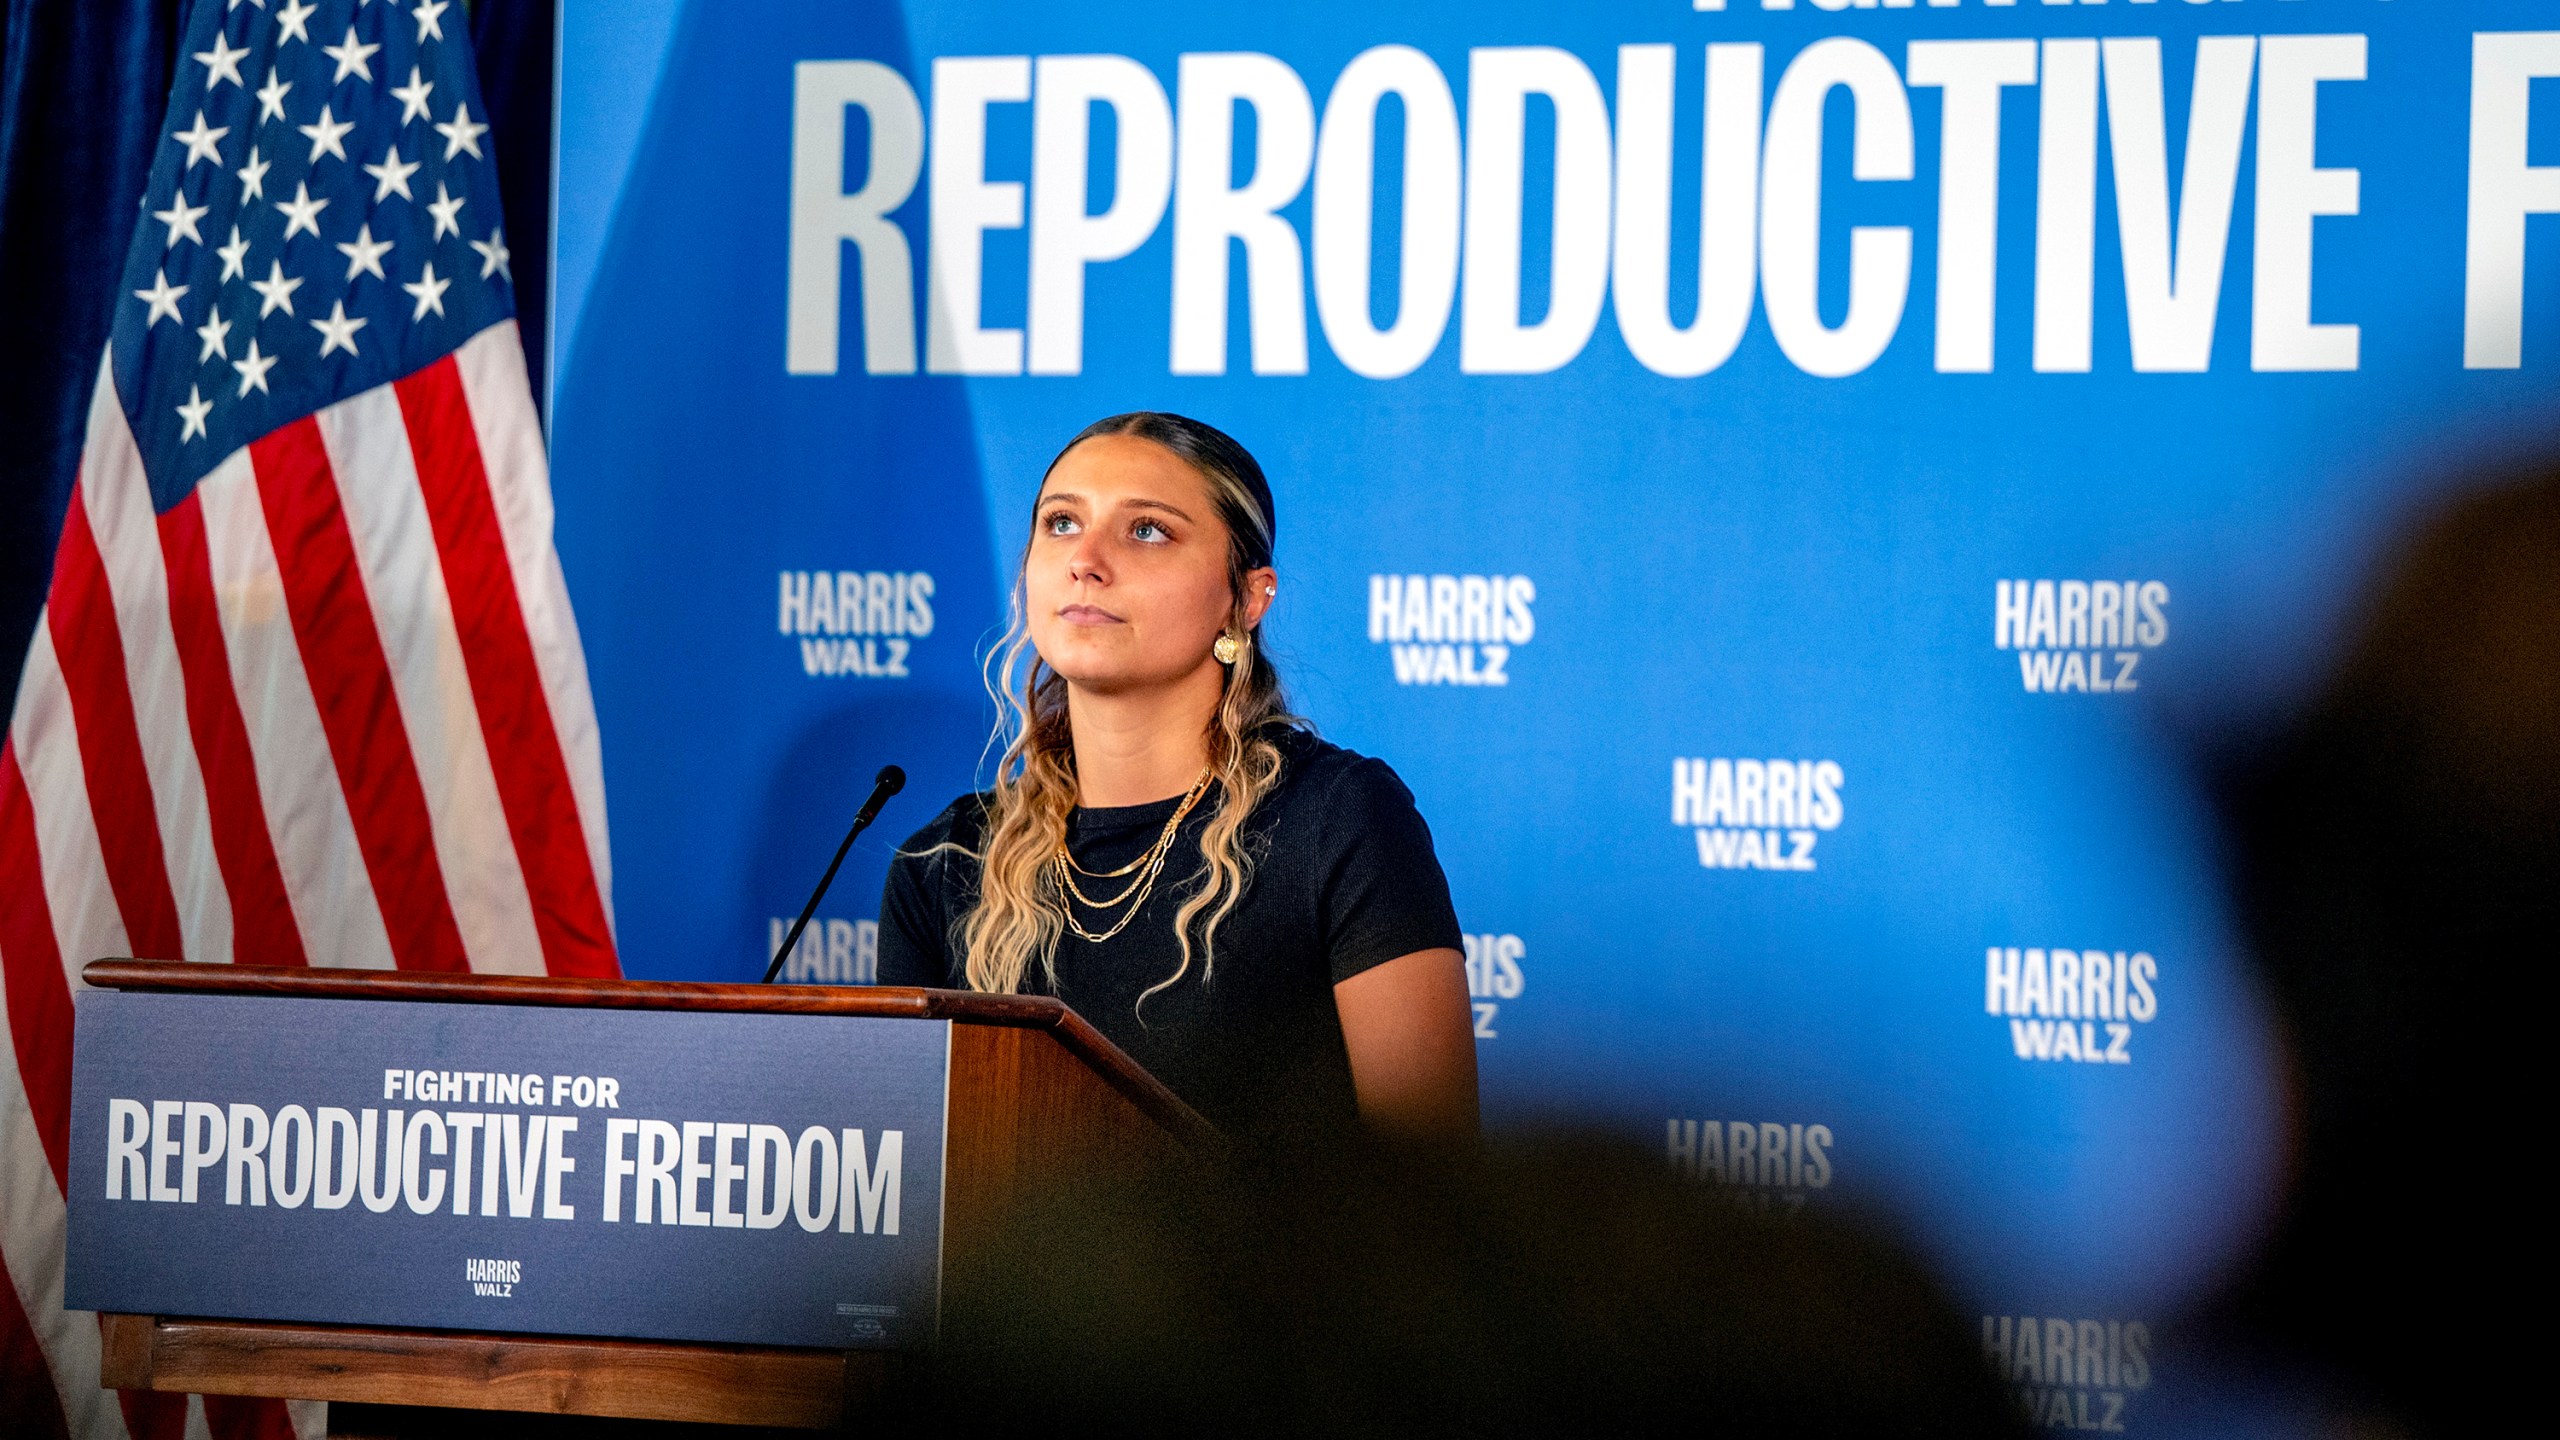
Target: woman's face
<point>1125,583</point>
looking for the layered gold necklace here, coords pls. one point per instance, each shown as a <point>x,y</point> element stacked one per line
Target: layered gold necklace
<point>1145,868</point>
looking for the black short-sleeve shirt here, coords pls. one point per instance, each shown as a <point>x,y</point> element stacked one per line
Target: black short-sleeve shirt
<point>1344,879</point>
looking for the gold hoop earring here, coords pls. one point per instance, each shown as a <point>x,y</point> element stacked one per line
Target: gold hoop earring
<point>1226,649</point>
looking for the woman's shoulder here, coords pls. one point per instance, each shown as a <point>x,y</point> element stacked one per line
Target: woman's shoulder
<point>963,823</point>
<point>1336,776</point>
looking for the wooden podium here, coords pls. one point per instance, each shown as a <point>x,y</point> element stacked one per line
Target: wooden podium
<point>1036,1096</point>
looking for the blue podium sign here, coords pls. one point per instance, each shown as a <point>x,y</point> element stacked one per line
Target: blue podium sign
<point>743,1178</point>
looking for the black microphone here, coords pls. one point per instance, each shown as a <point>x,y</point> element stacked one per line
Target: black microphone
<point>890,781</point>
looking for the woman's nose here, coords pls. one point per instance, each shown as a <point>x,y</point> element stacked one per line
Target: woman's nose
<point>1085,562</point>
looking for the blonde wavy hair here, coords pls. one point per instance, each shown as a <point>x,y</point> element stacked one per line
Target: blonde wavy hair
<point>1019,914</point>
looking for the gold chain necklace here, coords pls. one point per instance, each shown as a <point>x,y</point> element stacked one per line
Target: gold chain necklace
<point>1163,841</point>
<point>1140,863</point>
<point>1147,866</point>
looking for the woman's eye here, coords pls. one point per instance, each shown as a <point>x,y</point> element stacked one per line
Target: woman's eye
<point>1150,531</point>
<point>1059,522</point>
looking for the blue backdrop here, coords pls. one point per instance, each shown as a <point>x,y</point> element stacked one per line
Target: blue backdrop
<point>1857,592</point>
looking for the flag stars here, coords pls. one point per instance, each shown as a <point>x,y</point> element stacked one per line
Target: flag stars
<point>221,63</point>
<point>235,257</point>
<point>445,208</point>
<point>253,176</point>
<point>275,292</point>
<point>353,57</point>
<point>364,254</point>
<point>494,254</point>
<point>413,97</point>
<point>428,290</point>
<point>327,136</point>
<point>216,333</point>
<point>338,331</point>
<point>205,142</point>
<point>253,368</point>
<point>301,212</point>
<point>461,133</point>
<point>193,413</point>
<point>267,80</point>
<point>181,219</point>
<point>162,297</point>
<point>392,177</point>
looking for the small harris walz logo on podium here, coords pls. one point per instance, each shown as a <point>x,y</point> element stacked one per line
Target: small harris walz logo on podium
<point>493,1278</point>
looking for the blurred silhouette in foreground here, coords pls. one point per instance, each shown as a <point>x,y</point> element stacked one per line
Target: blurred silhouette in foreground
<point>2398,855</point>
<point>1556,1288</point>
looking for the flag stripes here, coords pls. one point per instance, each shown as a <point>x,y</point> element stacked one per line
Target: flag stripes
<point>386,517</point>
<point>232,1417</point>
<point>506,688</point>
<point>83,910</point>
<point>90,647</point>
<point>28,1410</point>
<point>315,837</point>
<point>333,621</point>
<point>263,929</point>
<point>498,395</point>
<point>31,1253</point>
<point>116,497</point>
<point>39,997</point>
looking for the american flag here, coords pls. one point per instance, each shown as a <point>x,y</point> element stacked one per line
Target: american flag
<point>307,689</point>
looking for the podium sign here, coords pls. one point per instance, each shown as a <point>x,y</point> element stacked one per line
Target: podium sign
<point>756,1179</point>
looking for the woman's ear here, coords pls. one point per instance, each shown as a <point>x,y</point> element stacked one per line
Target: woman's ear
<point>1260,586</point>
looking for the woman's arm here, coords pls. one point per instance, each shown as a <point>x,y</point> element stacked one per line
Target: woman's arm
<point>1411,1035</point>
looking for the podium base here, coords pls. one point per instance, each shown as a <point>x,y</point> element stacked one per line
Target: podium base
<point>450,1380</point>
<point>422,1422</point>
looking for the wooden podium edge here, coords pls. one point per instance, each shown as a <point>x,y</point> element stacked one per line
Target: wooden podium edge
<point>1035,1012</point>
<point>553,1375</point>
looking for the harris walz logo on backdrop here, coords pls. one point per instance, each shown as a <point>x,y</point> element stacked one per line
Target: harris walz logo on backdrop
<point>831,951</point>
<point>1762,1164</point>
<point>1757,814</point>
<point>2078,1005</point>
<point>1493,976</point>
<point>2080,637</point>
<point>2070,1374</point>
<point>1452,629</point>
<point>861,623</point>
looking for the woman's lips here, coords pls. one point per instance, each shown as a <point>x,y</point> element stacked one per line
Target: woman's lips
<point>1087,615</point>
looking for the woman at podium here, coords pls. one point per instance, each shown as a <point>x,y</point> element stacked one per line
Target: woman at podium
<point>1255,915</point>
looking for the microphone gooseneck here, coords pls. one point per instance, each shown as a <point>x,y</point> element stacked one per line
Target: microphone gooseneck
<point>888,782</point>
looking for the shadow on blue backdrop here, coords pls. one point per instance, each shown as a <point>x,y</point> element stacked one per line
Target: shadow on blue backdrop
<point>695,484</point>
